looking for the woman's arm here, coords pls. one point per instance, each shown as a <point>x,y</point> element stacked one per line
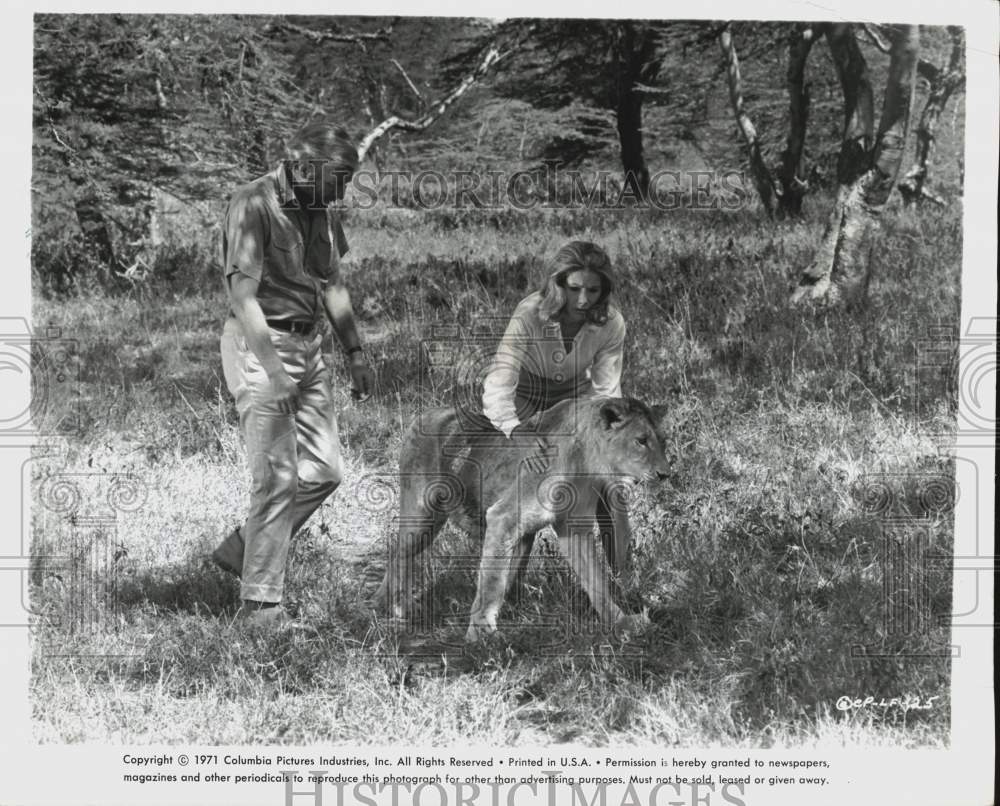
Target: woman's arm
<point>500,384</point>
<point>606,371</point>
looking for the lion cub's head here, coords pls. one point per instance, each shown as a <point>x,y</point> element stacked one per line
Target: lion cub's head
<point>627,442</point>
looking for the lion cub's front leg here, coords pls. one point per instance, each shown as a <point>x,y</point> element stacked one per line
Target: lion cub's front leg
<point>494,565</point>
<point>504,527</point>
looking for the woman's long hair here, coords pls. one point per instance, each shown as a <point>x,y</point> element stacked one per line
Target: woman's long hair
<point>577,256</point>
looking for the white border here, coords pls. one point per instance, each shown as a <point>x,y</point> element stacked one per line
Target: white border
<point>958,776</point>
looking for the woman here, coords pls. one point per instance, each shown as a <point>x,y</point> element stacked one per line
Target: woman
<point>564,341</point>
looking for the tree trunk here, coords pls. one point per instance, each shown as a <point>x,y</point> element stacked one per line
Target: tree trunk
<point>635,63</point>
<point>943,84</point>
<point>894,125</point>
<point>838,261</point>
<point>859,103</point>
<point>254,143</point>
<point>374,106</point>
<point>629,118</point>
<point>793,185</point>
<point>767,189</point>
<point>94,225</point>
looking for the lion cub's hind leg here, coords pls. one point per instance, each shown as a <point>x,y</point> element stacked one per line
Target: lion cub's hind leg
<point>418,526</point>
<point>586,558</point>
<point>520,556</point>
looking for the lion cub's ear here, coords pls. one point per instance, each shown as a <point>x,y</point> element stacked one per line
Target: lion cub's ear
<point>614,413</point>
<point>658,416</point>
<point>658,412</point>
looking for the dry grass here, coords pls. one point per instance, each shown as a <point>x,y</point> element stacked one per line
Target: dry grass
<point>761,559</point>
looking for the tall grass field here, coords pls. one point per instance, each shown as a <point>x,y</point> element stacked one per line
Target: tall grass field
<point>782,560</point>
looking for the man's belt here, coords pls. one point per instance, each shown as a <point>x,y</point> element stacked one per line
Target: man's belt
<point>300,328</point>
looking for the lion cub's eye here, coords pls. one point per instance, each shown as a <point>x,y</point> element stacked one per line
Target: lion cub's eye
<point>642,441</point>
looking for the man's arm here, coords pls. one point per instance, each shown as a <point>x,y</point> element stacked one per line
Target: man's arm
<point>243,299</point>
<point>244,235</point>
<point>337,302</point>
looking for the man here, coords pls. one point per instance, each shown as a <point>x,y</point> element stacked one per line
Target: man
<point>281,254</point>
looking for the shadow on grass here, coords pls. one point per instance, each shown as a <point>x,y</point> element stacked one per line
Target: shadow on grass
<point>195,586</point>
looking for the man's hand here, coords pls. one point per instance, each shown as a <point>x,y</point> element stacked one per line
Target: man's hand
<point>284,392</point>
<point>362,378</point>
<point>338,308</point>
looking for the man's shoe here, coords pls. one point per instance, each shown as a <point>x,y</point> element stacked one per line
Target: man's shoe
<point>263,614</point>
<point>220,560</point>
<point>228,555</point>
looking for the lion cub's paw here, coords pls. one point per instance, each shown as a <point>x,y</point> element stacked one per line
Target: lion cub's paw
<point>477,633</point>
<point>631,625</point>
<point>390,611</point>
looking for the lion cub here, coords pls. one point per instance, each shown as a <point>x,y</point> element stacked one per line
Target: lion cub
<point>549,473</point>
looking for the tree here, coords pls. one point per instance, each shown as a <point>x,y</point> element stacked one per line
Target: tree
<point>867,166</point>
<point>594,65</point>
<point>336,54</point>
<point>99,81</point>
<point>783,186</point>
<point>867,161</point>
<point>943,82</point>
<point>127,107</point>
<point>493,53</point>
<point>794,185</point>
<point>635,64</point>
<point>768,190</point>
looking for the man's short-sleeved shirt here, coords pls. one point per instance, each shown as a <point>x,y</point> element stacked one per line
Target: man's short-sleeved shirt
<point>286,247</point>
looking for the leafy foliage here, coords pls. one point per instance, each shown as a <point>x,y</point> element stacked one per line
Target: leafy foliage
<point>140,113</point>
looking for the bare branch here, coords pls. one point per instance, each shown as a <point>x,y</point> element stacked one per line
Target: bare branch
<point>876,38</point>
<point>58,139</point>
<point>409,82</point>
<point>381,35</point>
<point>767,188</point>
<point>649,90</point>
<point>881,38</point>
<point>492,55</point>
<point>161,99</point>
